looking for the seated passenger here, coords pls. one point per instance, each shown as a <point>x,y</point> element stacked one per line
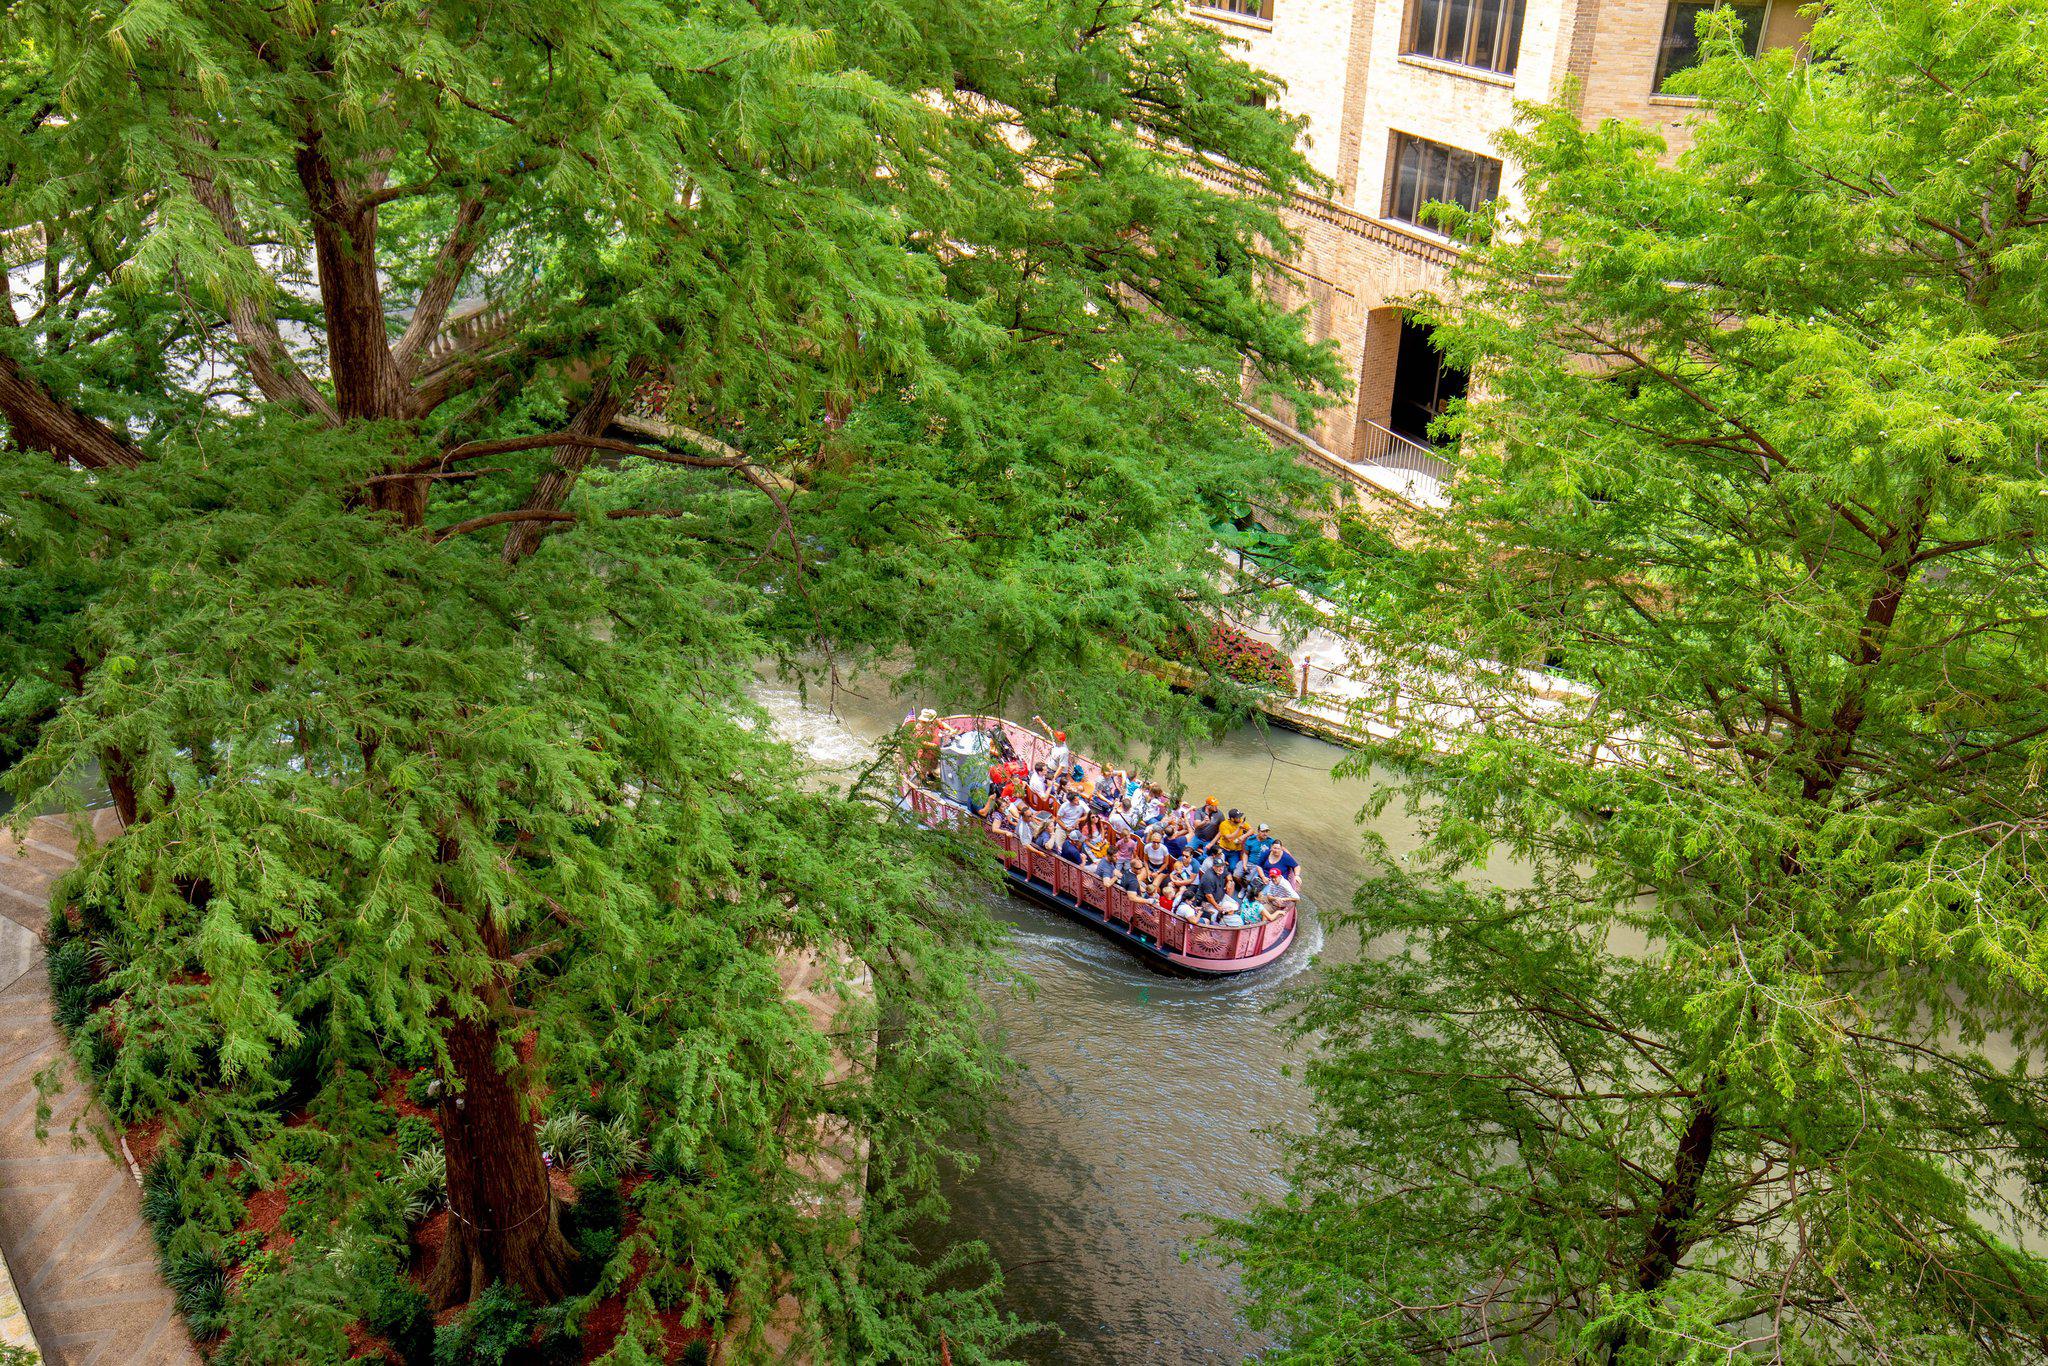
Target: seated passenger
<point>1039,790</point>
<point>1230,837</point>
<point>1072,850</point>
<point>1072,811</point>
<point>1256,845</point>
<point>1278,897</point>
<point>1207,825</point>
<point>1278,862</point>
<point>1212,883</point>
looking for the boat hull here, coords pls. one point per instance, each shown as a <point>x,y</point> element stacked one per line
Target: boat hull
<point>1028,888</point>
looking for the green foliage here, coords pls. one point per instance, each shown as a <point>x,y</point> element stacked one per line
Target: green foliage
<point>497,1328</point>
<point>423,1183</point>
<point>1741,1056</point>
<point>399,1314</point>
<point>946,345</point>
<point>72,983</point>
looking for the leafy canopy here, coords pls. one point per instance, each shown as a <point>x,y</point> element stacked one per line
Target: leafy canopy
<point>1744,1057</point>
<point>448,407</point>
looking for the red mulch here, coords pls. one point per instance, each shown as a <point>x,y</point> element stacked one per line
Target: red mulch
<point>366,1345</point>
<point>606,1320</point>
<point>143,1141</point>
<point>266,1213</point>
<point>427,1239</point>
<point>394,1096</point>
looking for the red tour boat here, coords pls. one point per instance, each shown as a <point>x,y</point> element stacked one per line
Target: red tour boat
<point>1157,935</point>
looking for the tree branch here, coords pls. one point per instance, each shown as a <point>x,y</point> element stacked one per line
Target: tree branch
<point>270,364</point>
<point>450,265</point>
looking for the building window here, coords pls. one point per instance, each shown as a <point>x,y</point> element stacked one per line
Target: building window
<point>1680,49</point>
<point>1482,33</point>
<point>1255,9</point>
<point>1426,172</point>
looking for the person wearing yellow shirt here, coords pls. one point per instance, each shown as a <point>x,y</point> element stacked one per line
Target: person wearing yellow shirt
<point>1230,837</point>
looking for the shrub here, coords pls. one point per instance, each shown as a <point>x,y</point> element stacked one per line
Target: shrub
<point>72,985</point>
<point>612,1147</point>
<point>416,1135</point>
<point>420,1088</point>
<point>564,1137</point>
<point>593,1223</point>
<point>1233,653</point>
<point>496,1324</point>
<point>399,1314</point>
<point>199,1281</point>
<point>423,1181</point>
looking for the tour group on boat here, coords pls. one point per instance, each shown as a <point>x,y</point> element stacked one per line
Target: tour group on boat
<point>1194,888</point>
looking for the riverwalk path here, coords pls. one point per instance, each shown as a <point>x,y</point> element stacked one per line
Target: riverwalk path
<point>81,1261</point>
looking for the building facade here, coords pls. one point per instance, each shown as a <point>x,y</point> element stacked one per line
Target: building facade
<point>1403,101</point>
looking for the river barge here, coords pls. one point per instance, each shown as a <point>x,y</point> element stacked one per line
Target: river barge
<point>1159,937</point>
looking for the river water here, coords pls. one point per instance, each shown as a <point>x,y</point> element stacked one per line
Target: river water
<point>1143,1098</point>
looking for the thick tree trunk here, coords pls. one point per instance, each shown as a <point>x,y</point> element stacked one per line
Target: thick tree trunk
<point>40,421</point>
<point>502,1222</point>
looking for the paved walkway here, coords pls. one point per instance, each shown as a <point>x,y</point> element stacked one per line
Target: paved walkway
<point>70,1217</point>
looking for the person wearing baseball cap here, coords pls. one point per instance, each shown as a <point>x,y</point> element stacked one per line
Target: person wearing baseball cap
<point>1257,843</point>
<point>1230,837</point>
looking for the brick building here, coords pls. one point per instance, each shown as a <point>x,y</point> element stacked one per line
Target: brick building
<point>1403,99</point>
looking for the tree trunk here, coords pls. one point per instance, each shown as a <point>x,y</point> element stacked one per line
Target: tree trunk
<point>1671,1227</point>
<point>502,1223</point>
<point>1670,1233</point>
<point>552,490</point>
<point>40,421</point>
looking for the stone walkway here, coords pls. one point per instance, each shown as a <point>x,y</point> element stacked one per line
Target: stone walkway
<point>70,1216</point>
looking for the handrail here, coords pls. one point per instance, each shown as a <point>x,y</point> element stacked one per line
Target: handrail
<point>1388,449</point>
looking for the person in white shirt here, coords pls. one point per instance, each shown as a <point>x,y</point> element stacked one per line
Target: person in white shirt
<point>1072,811</point>
<point>1061,759</point>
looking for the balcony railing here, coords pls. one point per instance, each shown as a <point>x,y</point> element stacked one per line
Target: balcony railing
<point>1415,471</point>
<point>1385,448</point>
